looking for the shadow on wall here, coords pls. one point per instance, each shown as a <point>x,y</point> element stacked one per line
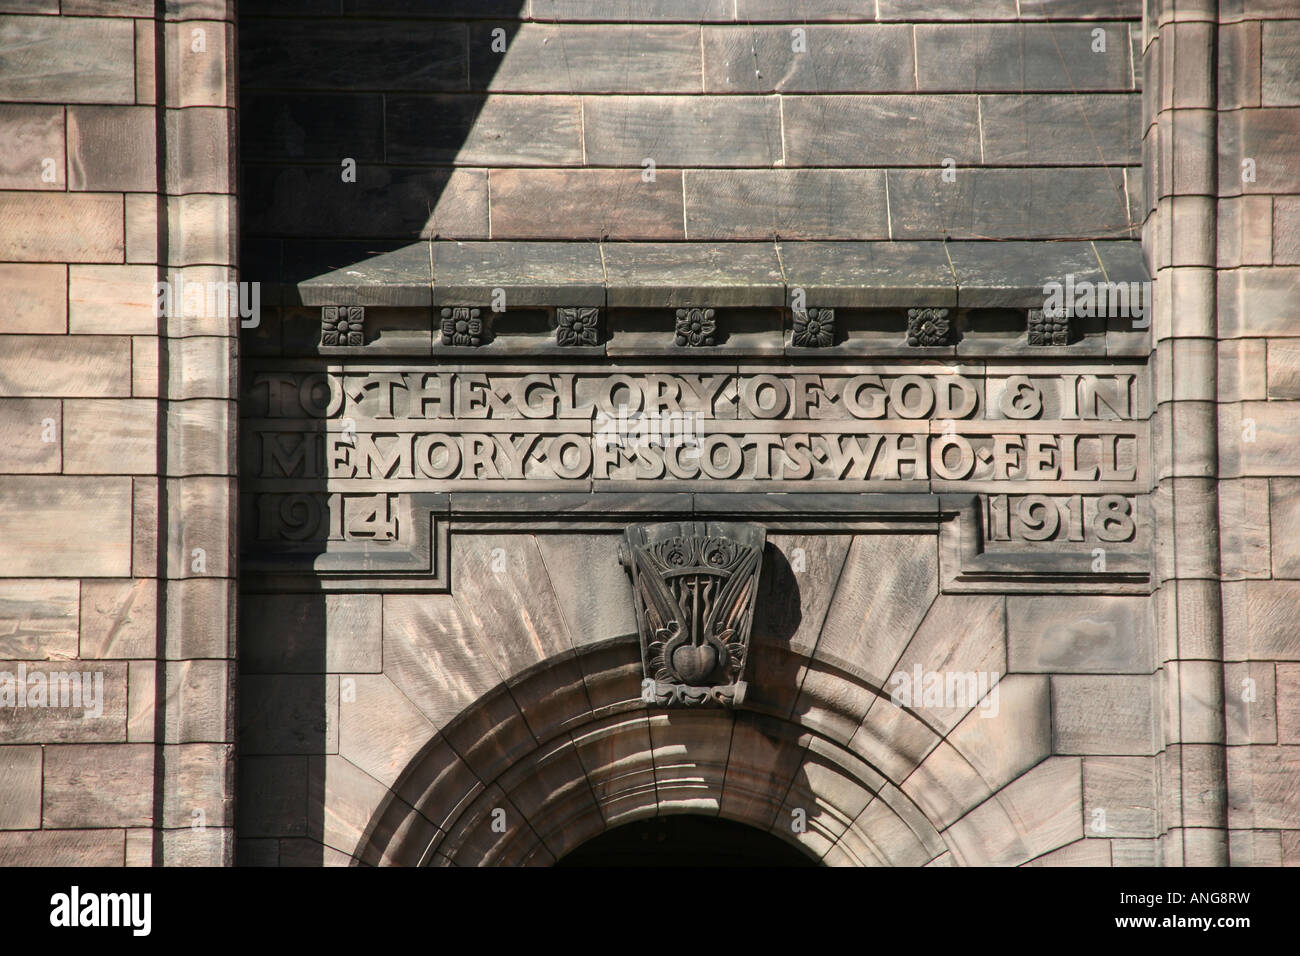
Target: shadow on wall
<point>352,126</point>
<point>357,128</point>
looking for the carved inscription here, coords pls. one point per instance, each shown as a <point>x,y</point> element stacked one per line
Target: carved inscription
<point>1013,431</point>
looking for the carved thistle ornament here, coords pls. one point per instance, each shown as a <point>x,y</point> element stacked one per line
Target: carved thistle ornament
<point>694,585</point>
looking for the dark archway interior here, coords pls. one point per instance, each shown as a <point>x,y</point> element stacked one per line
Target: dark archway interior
<point>686,840</point>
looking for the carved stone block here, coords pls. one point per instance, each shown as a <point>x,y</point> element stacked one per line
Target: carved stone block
<point>462,326</point>
<point>927,327</point>
<point>342,325</point>
<point>696,327</point>
<point>1049,328</point>
<point>694,585</point>
<point>814,328</point>
<point>575,326</point>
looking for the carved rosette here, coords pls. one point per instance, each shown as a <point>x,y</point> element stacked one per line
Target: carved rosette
<point>696,327</point>
<point>1049,327</point>
<point>814,328</point>
<point>462,326</point>
<point>928,327</point>
<point>694,585</point>
<point>575,326</point>
<point>342,325</point>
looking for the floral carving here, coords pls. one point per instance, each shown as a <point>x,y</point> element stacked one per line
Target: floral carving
<point>342,325</point>
<point>1049,327</point>
<point>928,327</point>
<point>696,327</point>
<point>461,326</point>
<point>577,326</point>
<point>814,328</point>
<point>694,586</point>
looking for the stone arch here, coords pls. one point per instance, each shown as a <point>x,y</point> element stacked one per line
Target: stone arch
<point>566,748</point>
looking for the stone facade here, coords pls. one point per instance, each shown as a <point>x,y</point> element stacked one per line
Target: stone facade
<point>1026,592</point>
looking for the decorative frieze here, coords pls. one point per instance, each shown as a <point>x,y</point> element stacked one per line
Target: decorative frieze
<point>1049,327</point>
<point>814,328</point>
<point>693,585</point>
<point>343,325</point>
<point>577,326</point>
<point>462,326</point>
<point>927,327</point>
<point>696,327</point>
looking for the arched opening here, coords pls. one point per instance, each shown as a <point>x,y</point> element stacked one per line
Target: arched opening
<point>686,840</point>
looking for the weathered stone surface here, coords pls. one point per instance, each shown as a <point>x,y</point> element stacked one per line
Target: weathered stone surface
<point>38,620</point>
<point>596,58</point>
<point>471,130</point>
<point>68,227</point>
<point>862,130</point>
<point>202,514</point>
<point>597,603</point>
<point>38,297</point>
<point>945,786</point>
<point>119,618</point>
<point>63,847</point>
<point>1288,703</point>
<point>68,60</point>
<point>380,729</point>
<point>30,429</point>
<point>788,204</point>
<point>1103,715</point>
<point>1279,85</point>
<point>113,300</point>
<point>1032,203</point>
<point>112,149</point>
<point>65,526</point>
<point>198,618</point>
<point>433,655</point>
<point>110,436</point>
<point>272,796</point>
<point>1021,57</point>
<point>1255,301</point>
<point>585,204</point>
<point>500,583</point>
<point>667,275</point>
<point>199,787</point>
<point>874,615</point>
<point>1010,730</point>
<point>289,714</point>
<point>384,201</point>
<point>200,157</point>
<point>1076,854</point>
<point>1100,129</point>
<point>1244,517</point>
<point>690,11</point>
<point>110,784</point>
<point>198,703</point>
<point>681,131</point>
<point>1124,790</point>
<point>1101,634</point>
<point>941,646</point>
<point>311,633</point>
<point>1284,518</point>
<point>142,701</point>
<point>870,274</point>
<point>1250,702</point>
<point>20,788</point>
<point>527,273</point>
<point>830,59</point>
<point>34,147</point>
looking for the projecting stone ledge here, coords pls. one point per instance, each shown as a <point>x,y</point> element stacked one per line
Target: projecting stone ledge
<point>799,275</point>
